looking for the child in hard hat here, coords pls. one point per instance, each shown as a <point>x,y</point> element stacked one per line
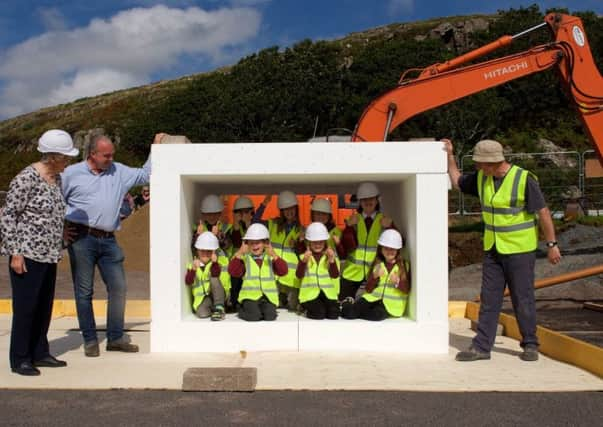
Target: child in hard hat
<point>318,271</point>
<point>285,233</point>
<point>242,213</point>
<point>359,239</point>
<point>321,211</point>
<point>388,283</point>
<point>211,211</point>
<point>203,275</point>
<point>258,265</point>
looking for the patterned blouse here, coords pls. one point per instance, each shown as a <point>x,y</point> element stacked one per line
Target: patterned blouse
<point>32,219</point>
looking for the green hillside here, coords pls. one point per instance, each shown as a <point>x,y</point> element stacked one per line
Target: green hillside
<point>281,94</point>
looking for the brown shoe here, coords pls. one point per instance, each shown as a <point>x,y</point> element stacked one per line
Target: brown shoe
<point>121,345</point>
<point>91,349</point>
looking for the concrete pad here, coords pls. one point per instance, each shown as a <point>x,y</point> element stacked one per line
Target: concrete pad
<point>299,370</point>
<point>219,379</point>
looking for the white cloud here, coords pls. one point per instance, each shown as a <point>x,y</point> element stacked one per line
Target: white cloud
<point>111,54</point>
<point>52,18</point>
<point>397,7</point>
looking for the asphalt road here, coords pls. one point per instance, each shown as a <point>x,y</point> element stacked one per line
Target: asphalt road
<point>158,408</point>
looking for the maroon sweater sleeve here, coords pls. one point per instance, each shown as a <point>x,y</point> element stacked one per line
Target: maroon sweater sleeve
<point>371,282</point>
<point>216,269</point>
<point>237,239</point>
<point>333,270</point>
<point>301,269</point>
<point>236,267</point>
<point>189,279</point>
<point>348,241</point>
<point>300,247</point>
<point>280,267</point>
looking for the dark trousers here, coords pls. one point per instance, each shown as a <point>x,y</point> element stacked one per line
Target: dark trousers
<point>254,311</point>
<point>348,288</point>
<point>235,289</point>
<point>517,272</point>
<point>33,295</point>
<point>321,307</point>
<point>362,309</point>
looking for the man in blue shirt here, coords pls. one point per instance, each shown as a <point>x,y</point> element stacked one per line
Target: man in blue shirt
<point>94,190</point>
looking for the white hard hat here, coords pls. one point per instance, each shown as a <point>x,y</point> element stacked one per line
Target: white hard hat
<point>257,231</point>
<point>57,141</point>
<point>212,204</point>
<point>321,205</point>
<point>207,241</point>
<point>286,199</point>
<point>390,238</point>
<point>243,203</point>
<point>316,232</point>
<point>367,190</point>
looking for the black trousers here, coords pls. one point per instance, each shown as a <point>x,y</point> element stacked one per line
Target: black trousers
<point>235,289</point>
<point>33,295</point>
<point>254,311</point>
<point>362,309</point>
<point>321,307</point>
<point>517,272</point>
<point>348,288</point>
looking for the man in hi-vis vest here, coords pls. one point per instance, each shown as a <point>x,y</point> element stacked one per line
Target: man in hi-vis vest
<point>510,199</point>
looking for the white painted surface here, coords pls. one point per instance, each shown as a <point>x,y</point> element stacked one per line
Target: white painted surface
<point>413,182</point>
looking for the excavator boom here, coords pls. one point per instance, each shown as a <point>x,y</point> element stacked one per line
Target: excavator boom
<point>440,84</point>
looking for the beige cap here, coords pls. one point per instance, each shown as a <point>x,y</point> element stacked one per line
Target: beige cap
<point>488,151</point>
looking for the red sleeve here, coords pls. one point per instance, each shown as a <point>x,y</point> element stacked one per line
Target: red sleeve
<point>237,239</point>
<point>236,267</point>
<point>371,282</point>
<point>348,241</point>
<point>189,279</point>
<point>216,269</point>
<point>280,267</point>
<point>301,269</point>
<point>333,270</point>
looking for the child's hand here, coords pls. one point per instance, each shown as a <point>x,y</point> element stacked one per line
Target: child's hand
<point>242,250</point>
<point>302,235</point>
<point>386,221</point>
<point>270,251</point>
<point>395,278</point>
<point>214,257</point>
<point>378,272</point>
<point>330,255</point>
<point>200,227</point>
<point>307,255</point>
<point>196,263</point>
<point>352,221</point>
<point>336,239</point>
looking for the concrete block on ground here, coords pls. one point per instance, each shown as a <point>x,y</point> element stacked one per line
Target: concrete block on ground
<point>500,329</point>
<point>219,379</point>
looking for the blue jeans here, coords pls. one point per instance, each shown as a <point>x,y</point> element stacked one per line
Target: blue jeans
<point>84,254</point>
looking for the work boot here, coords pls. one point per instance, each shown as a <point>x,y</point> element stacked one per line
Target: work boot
<point>218,313</point>
<point>91,349</point>
<point>122,344</point>
<point>49,362</point>
<point>471,355</point>
<point>529,354</point>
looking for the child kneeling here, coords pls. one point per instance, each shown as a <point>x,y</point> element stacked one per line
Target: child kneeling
<point>257,264</point>
<point>203,274</point>
<point>318,270</point>
<point>387,286</point>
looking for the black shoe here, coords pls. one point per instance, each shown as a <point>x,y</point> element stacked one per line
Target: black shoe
<point>530,354</point>
<point>26,368</point>
<point>471,355</point>
<point>50,362</point>
<point>121,345</point>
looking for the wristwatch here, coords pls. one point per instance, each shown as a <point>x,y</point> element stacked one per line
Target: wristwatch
<point>551,244</point>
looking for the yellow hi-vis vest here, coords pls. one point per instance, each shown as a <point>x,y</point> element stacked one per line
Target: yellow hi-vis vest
<point>393,298</point>
<point>258,281</point>
<point>317,279</point>
<point>284,246</point>
<point>201,286</point>
<point>359,261</point>
<point>223,255</point>
<point>508,225</point>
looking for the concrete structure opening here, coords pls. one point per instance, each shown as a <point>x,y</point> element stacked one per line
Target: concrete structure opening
<point>413,182</point>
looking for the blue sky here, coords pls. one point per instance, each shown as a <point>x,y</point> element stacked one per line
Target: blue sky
<point>56,51</point>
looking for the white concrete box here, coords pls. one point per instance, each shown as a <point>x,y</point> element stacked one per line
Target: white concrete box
<point>412,178</point>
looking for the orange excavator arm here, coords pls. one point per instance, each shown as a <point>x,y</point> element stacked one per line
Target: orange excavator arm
<point>440,84</point>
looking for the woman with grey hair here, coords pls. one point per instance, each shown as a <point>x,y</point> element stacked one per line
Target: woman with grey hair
<point>32,235</point>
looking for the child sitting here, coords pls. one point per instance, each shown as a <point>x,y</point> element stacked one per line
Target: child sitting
<point>203,274</point>
<point>387,286</point>
<point>318,270</point>
<point>257,264</point>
